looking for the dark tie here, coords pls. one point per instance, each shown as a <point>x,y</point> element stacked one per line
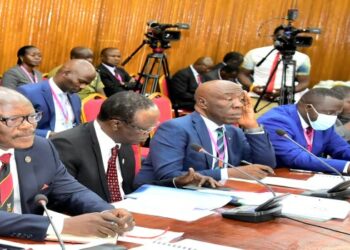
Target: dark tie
<point>112,176</point>
<point>309,133</point>
<point>6,184</point>
<point>220,147</point>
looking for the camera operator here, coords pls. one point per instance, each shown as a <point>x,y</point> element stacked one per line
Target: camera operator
<point>255,77</point>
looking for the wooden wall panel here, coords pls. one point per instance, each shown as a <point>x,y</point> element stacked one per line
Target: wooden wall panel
<point>217,26</point>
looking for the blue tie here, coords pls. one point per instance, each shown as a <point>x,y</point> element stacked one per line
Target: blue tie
<point>221,147</point>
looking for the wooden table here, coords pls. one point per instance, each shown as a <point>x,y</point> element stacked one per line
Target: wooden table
<point>280,233</point>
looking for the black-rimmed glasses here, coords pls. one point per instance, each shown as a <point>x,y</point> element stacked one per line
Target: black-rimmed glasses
<point>15,121</point>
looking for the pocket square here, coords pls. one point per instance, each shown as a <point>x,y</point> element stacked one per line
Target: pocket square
<point>45,186</point>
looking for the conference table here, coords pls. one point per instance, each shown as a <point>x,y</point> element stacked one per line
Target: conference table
<point>280,233</point>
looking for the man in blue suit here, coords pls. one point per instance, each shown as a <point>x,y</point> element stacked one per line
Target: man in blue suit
<point>310,122</point>
<point>219,104</point>
<point>32,167</point>
<point>57,97</point>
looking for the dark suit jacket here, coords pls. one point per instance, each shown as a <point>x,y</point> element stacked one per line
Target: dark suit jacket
<point>40,96</point>
<point>80,152</point>
<point>182,87</point>
<point>170,156</point>
<point>112,84</point>
<point>289,155</point>
<point>40,171</point>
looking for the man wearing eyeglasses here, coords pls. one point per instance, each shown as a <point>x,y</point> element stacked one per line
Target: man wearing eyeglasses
<point>29,165</point>
<point>57,97</point>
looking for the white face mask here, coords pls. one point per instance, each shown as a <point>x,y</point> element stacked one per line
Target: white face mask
<point>323,121</point>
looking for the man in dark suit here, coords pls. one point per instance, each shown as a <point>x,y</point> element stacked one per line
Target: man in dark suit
<point>57,97</point>
<point>125,118</point>
<point>114,78</point>
<point>29,166</point>
<point>219,104</point>
<point>185,82</point>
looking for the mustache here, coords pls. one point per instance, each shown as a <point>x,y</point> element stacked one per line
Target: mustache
<point>32,133</point>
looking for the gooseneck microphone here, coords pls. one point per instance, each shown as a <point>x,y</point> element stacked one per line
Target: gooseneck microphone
<point>340,191</point>
<point>42,200</point>
<point>264,212</point>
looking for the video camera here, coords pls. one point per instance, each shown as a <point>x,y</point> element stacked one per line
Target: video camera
<point>159,36</point>
<point>287,41</point>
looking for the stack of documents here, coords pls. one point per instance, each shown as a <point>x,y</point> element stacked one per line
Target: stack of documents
<point>180,204</point>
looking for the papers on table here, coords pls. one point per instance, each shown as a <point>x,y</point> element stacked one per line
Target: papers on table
<point>180,204</point>
<point>186,244</point>
<point>318,181</point>
<point>143,235</point>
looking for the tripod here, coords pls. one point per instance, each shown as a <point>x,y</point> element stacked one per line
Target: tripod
<point>155,63</point>
<point>287,91</point>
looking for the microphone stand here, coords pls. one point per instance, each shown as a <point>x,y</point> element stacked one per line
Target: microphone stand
<point>266,211</point>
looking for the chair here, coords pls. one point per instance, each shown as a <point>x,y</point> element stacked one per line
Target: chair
<point>90,107</point>
<point>163,86</point>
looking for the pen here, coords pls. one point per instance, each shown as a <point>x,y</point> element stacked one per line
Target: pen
<point>304,171</point>
<point>246,162</point>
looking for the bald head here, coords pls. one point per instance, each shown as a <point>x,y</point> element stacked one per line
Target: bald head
<point>203,64</point>
<point>219,101</point>
<point>74,75</point>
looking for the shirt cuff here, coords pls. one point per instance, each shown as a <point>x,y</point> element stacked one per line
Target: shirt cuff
<point>255,131</point>
<point>224,174</point>
<point>48,134</point>
<point>345,170</point>
<point>58,222</point>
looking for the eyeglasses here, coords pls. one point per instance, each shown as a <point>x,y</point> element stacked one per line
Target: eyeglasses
<point>138,129</point>
<point>15,121</point>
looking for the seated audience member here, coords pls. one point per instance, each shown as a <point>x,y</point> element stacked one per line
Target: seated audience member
<point>219,104</point>
<point>29,166</point>
<point>185,82</point>
<point>310,123</point>
<point>233,56</point>
<point>28,57</point>
<point>114,78</point>
<point>99,154</point>
<point>56,98</point>
<point>255,77</point>
<point>227,72</point>
<point>96,86</point>
<point>342,125</point>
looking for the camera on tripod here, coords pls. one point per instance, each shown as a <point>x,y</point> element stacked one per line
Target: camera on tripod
<point>287,41</point>
<point>159,36</point>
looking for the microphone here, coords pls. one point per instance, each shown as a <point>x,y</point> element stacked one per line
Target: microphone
<point>42,200</point>
<point>264,212</point>
<point>339,191</point>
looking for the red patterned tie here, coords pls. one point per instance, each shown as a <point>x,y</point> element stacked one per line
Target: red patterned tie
<point>199,79</point>
<point>271,85</point>
<point>112,176</point>
<point>309,134</point>
<point>6,184</point>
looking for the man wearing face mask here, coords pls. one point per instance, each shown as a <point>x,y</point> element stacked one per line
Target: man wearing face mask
<point>310,122</point>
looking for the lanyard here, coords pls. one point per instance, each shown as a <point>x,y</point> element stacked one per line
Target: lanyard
<point>222,155</point>
<point>64,111</point>
<point>33,79</point>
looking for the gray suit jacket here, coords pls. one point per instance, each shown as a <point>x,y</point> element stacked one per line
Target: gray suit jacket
<point>15,77</point>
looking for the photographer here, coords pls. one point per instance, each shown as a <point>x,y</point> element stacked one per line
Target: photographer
<point>260,74</point>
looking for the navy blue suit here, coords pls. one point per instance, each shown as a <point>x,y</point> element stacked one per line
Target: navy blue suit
<point>40,171</point>
<point>41,97</point>
<point>171,155</point>
<point>289,155</point>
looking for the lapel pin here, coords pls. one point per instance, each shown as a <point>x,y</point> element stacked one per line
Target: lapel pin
<point>123,160</point>
<point>28,159</point>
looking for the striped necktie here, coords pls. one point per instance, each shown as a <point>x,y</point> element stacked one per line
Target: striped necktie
<point>220,147</point>
<point>112,176</point>
<point>6,184</point>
